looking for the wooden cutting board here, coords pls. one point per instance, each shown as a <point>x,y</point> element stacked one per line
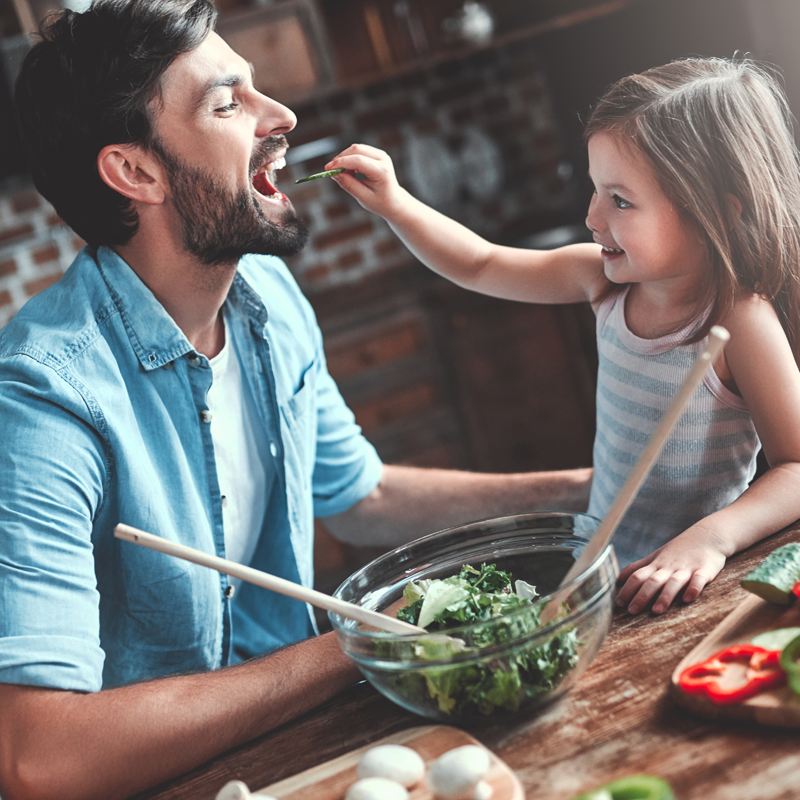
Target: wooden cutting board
<point>330,781</point>
<point>779,707</point>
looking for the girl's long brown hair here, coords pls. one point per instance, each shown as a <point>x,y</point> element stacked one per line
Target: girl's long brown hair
<point>712,128</point>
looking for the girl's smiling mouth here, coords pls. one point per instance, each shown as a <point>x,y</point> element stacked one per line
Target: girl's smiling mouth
<point>610,253</point>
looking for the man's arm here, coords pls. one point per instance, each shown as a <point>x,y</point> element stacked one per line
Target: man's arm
<point>121,741</point>
<point>410,502</point>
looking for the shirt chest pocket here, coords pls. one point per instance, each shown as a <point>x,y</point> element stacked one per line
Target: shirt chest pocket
<point>299,425</point>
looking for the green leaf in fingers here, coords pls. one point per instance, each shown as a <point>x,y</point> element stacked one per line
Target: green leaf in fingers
<point>320,175</point>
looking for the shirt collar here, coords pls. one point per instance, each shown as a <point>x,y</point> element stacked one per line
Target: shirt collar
<point>248,303</point>
<point>154,335</point>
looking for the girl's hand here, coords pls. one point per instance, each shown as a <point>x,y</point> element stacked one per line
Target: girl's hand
<point>690,560</point>
<point>379,191</point>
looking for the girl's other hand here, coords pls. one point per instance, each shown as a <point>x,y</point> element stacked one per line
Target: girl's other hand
<point>690,560</point>
<point>378,191</point>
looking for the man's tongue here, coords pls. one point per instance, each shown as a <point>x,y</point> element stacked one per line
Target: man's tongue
<point>263,186</point>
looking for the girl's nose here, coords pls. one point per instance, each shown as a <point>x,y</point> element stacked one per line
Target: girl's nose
<point>274,118</point>
<point>592,217</point>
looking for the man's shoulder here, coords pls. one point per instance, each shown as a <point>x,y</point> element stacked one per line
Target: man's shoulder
<point>59,322</point>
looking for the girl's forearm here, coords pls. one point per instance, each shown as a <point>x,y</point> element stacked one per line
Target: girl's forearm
<point>770,504</point>
<point>571,274</point>
<point>441,243</point>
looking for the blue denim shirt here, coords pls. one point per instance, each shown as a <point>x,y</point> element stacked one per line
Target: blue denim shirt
<point>102,402</point>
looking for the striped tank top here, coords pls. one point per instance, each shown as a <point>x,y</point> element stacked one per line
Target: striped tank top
<point>709,459</point>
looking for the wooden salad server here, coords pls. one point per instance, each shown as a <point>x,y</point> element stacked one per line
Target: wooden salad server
<point>273,582</point>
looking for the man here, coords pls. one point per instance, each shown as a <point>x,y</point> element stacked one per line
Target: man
<point>175,380</point>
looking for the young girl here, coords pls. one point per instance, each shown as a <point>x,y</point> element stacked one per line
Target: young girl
<point>696,220</point>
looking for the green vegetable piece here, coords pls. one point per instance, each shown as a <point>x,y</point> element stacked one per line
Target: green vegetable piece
<point>634,787</point>
<point>320,175</point>
<point>774,578</point>
<point>790,665</point>
<point>775,640</point>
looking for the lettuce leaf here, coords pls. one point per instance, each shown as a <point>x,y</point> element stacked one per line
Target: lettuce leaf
<point>478,596</point>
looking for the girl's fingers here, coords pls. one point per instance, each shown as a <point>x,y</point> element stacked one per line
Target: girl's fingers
<point>670,591</point>
<point>696,585</point>
<point>345,181</point>
<point>370,169</point>
<point>626,572</point>
<point>633,584</point>
<point>648,590</point>
<point>360,155</point>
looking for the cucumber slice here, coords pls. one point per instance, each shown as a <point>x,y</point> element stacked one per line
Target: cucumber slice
<point>775,640</point>
<point>634,787</point>
<point>774,578</point>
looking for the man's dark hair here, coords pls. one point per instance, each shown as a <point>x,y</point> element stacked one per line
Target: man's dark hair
<point>88,83</point>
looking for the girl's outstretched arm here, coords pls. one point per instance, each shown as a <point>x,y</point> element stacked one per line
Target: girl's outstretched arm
<point>765,374</point>
<point>566,275</point>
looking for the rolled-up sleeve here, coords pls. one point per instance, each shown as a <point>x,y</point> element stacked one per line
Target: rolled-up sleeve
<point>52,468</point>
<point>347,467</point>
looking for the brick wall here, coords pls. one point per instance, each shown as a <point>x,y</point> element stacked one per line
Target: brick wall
<point>502,93</point>
<point>35,246</point>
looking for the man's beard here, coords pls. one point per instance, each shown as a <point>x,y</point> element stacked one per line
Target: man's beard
<point>219,227</point>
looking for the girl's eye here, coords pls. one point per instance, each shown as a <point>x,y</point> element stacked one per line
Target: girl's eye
<point>620,202</point>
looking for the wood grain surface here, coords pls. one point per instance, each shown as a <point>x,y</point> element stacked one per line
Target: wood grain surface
<point>331,780</point>
<point>618,720</point>
<point>779,707</point>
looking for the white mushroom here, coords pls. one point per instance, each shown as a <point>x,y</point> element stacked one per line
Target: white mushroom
<point>393,761</point>
<point>237,790</point>
<point>457,774</point>
<point>376,789</point>
<point>483,791</point>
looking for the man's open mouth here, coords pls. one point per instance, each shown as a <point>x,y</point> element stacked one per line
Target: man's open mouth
<point>264,180</point>
<point>612,251</point>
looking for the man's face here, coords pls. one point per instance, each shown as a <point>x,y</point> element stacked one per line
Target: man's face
<point>219,141</point>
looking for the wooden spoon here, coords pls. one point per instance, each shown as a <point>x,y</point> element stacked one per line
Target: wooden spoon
<point>273,582</point>
<point>717,338</point>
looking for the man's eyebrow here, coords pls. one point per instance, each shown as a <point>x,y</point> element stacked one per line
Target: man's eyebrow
<point>224,81</point>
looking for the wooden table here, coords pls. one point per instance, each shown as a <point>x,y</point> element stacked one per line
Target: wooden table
<point>618,720</point>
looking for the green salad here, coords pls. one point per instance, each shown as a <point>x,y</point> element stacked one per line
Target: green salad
<point>484,599</point>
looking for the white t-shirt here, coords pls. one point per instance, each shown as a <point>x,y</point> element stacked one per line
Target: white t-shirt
<point>242,469</point>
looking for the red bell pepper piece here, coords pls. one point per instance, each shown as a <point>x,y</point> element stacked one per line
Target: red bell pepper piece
<point>763,672</point>
<point>796,589</point>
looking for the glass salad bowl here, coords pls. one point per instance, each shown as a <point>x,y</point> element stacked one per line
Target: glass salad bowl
<point>486,667</point>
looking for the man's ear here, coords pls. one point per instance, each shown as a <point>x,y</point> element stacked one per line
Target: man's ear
<point>131,171</point>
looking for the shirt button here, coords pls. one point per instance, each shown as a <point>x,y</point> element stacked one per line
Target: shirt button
<point>194,359</point>
<point>205,415</point>
<point>229,590</point>
<point>273,450</point>
<point>224,501</point>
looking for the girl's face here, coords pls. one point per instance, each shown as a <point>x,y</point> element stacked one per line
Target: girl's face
<point>644,237</point>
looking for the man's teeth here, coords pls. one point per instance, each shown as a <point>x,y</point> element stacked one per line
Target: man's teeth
<point>279,163</point>
<point>612,250</point>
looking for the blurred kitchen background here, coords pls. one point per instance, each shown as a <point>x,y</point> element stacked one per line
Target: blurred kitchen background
<point>479,102</point>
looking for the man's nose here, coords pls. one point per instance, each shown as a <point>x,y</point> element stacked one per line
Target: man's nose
<point>274,118</point>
